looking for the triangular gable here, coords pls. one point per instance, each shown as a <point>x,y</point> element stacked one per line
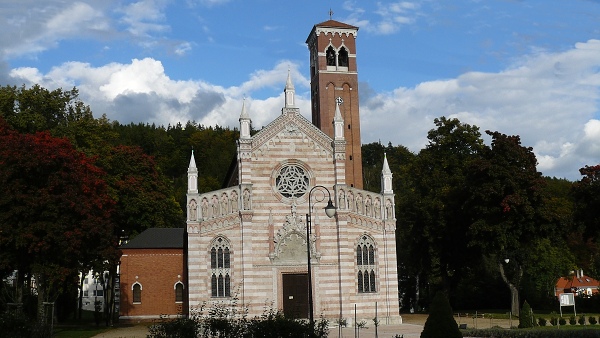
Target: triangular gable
<point>291,121</point>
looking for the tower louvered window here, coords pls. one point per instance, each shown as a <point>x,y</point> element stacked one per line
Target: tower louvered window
<point>220,265</point>
<point>365,261</point>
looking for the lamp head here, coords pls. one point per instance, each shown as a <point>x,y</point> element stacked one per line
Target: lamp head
<point>330,209</point>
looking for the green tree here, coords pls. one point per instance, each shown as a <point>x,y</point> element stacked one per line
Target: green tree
<point>505,203</point>
<point>433,236</point>
<point>586,196</point>
<point>29,110</point>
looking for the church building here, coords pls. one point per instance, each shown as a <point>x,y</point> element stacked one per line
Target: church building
<point>251,240</point>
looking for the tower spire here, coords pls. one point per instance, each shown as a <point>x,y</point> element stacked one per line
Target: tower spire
<point>338,121</point>
<point>192,176</point>
<point>245,122</point>
<point>386,177</point>
<point>289,91</point>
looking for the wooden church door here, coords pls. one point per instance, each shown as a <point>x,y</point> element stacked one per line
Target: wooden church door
<point>295,295</point>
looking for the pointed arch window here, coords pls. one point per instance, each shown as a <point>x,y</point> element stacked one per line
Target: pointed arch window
<point>220,266</point>
<point>366,277</point>
<point>330,55</point>
<point>343,57</point>
<point>137,293</point>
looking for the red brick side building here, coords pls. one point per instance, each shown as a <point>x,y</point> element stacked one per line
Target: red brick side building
<point>152,275</point>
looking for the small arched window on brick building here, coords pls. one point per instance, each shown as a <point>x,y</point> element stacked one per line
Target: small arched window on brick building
<point>220,267</point>
<point>137,292</point>
<point>365,262</point>
<point>178,292</point>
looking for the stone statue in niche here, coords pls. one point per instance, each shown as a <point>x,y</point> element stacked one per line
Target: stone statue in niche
<point>246,199</point>
<point>234,202</point>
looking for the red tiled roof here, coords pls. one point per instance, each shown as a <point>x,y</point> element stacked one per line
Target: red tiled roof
<point>333,23</point>
<point>576,282</point>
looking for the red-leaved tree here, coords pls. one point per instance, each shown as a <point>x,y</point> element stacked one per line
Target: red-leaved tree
<point>54,210</point>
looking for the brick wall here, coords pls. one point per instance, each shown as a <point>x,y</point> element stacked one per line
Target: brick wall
<point>157,271</point>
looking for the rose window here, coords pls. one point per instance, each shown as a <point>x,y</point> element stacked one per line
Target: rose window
<point>292,181</point>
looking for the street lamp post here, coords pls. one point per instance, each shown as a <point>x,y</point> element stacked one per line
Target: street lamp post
<point>330,212</point>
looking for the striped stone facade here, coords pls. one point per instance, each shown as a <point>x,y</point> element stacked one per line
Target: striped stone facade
<point>266,229</point>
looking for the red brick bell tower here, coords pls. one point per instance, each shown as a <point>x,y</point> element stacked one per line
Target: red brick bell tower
<point>333,75</point>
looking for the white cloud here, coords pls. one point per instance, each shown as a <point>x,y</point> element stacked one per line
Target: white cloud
<point>32,27</point>
<point>141,91</point>
<point>183,48</point>
<point>390,16</point>
<point>143,17</point>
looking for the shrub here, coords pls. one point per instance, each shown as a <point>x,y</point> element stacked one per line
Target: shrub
<point>542,321</point>
<point>526,317</point>
<point>224,321</point>
<point>572,320</point>
<point>18,325</point>
<point>562,321</point>
<point>440,323</point>
<point>581,320</point>
<point>504,333</point>
<point>180,327</point>
<point>592,320</point>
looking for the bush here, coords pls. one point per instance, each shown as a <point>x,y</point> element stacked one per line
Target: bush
<point>581,320</point>
<point>18,325</point>
<point>180,327</point>
<point>542,321</point>
<point>572,320</point>
<point>592,320</point>
<point>562,321</point>
<point>526,317</point>
<point>504,333</point>
<point>553,321</point>
<point>440,323</point>
<point>224,321</point>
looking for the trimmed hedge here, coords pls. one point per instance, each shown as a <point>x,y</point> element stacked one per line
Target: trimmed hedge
<point>562,333</point>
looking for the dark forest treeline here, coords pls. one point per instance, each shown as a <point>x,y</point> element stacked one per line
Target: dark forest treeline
<point>476,220</point>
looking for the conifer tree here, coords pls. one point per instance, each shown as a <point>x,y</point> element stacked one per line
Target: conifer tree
<point>440,323</point>
<point>526,317</point>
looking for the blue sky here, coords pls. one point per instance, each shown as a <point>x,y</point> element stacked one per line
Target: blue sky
<point>529,68</point>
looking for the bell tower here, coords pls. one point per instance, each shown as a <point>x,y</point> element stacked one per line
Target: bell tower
<point>333,81</point>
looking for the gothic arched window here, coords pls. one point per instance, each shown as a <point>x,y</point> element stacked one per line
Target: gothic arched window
<point>343,57</point>
<point>365,261</point>
<point>220,266</point>
<point>330,55</point>
<point>137,292</point>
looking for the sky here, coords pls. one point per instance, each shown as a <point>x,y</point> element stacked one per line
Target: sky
<point>520,67</point>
